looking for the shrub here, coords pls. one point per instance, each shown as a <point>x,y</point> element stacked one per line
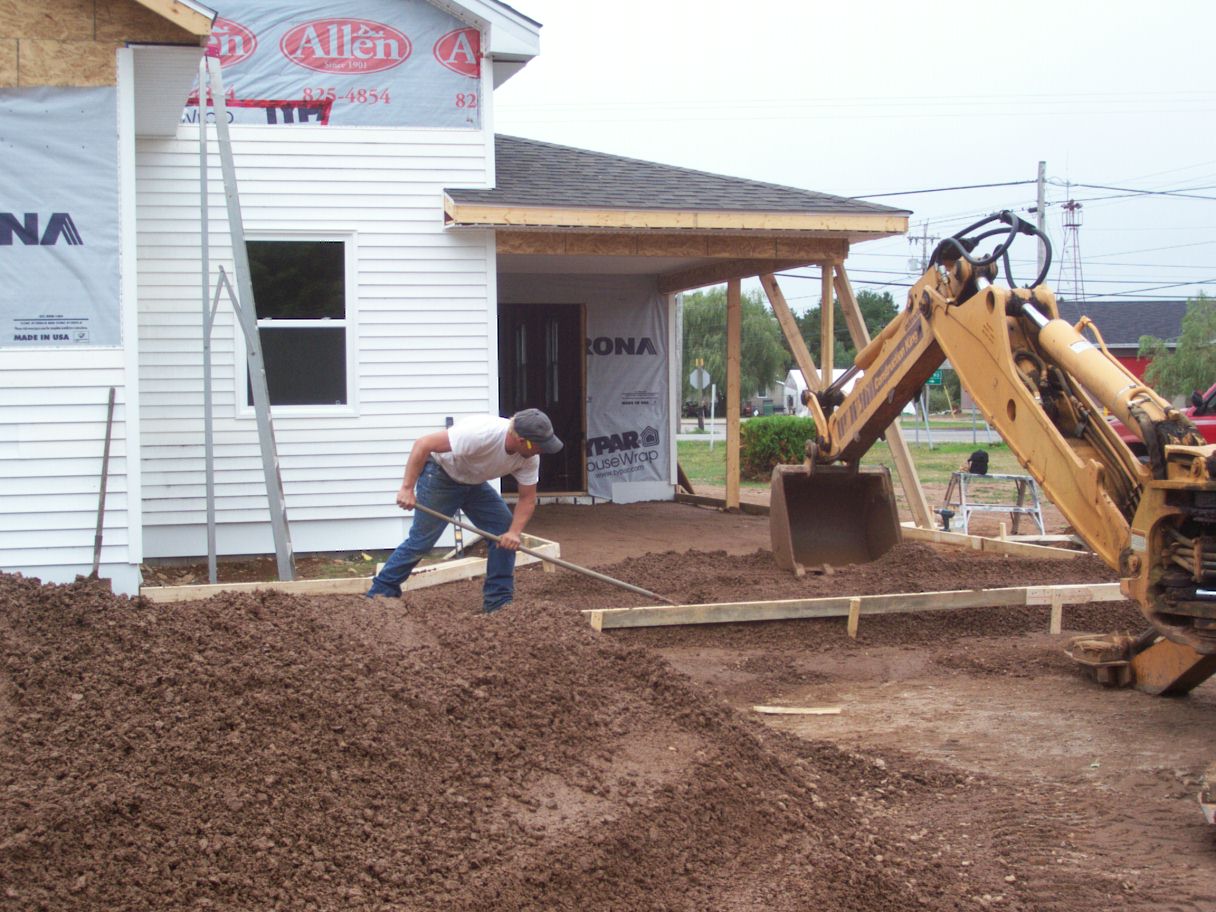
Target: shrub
<point>767,442</point>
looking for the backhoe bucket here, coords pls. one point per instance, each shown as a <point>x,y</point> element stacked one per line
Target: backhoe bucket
<point>833,516</point>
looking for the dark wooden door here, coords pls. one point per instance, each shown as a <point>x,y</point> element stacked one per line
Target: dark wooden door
<point>541,365</point>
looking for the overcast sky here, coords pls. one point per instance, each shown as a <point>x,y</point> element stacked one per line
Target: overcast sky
<point>860,98</point>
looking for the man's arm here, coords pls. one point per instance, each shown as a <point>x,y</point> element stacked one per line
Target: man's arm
<point>424,446</point>
<point>524,507</point>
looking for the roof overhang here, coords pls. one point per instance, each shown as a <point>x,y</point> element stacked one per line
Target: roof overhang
<point>679,260</point>
<point>189,15</point>
<point>849,227</point>
<point>512,38</point>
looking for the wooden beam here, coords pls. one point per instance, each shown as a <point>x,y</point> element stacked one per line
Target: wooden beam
<point>423,577</point>
<point>658,243</point>
<point>904,464</point>
<point>839,606</point>
<point>979,543</point>
<point>701,500</point>
<point>802,355</point>
<point>721,271</point>
<point>734,344</point>
<point>827,323</point>
<point>839,226</point>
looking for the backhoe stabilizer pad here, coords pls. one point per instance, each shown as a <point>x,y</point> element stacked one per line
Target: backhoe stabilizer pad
<point>831,516</point>
<point>1164,668</point>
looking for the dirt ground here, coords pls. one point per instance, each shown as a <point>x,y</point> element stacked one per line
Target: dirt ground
<point>273,752</point>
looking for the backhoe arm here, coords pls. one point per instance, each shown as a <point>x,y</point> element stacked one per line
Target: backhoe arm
<point>1043,387</point>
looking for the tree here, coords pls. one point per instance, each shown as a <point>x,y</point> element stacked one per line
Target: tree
<point>1192,364</point>
<point>877,310</point>
<point>762,358</point>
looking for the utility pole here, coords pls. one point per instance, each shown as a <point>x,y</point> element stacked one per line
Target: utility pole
<point>1041,212</point>
<point>925,238</point>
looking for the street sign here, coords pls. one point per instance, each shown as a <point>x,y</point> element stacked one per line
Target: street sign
<point>936,378</point>
<point>699,378</point>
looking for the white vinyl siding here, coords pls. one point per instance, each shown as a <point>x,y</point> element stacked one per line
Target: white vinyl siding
<point>53,407</point>
<point>421,309</point>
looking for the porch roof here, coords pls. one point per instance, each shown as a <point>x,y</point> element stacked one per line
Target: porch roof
<point>544,186</point>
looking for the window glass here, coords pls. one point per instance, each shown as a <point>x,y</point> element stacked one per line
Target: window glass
<point>300,292</point>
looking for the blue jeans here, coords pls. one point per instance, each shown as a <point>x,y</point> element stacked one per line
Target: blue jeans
<point>439,491</point>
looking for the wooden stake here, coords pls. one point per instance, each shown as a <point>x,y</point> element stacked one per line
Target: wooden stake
<point>854,616</point>
<point>734,335</point>
<point>1057,614</point>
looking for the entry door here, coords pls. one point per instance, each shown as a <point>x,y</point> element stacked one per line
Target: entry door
<point>541,364</point>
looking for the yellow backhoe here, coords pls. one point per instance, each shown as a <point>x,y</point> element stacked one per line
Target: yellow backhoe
<point>1045,386</point>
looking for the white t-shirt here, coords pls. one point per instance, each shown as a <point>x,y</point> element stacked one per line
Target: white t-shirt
<point>479,453</point>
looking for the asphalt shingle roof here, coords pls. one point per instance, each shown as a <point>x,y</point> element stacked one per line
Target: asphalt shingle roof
<point>533,173</point>
<point>1122,323</point>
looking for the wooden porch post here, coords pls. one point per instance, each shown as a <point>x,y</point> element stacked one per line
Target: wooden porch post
<point>895,437</point>
<point>827,323</point>
<point>734,337</point>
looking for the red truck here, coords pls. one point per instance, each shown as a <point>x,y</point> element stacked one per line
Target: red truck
<point>1201,411</point>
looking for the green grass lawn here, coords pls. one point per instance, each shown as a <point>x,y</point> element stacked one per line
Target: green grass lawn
<point>933,465</point>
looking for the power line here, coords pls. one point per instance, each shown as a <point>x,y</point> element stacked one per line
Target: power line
<point>943,189</point>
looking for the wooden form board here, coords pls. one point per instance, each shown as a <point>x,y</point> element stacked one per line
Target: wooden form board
<point>839,606</point>
<point>1007,546</point>
<point>423,577</point>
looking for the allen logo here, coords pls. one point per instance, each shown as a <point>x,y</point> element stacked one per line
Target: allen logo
<point>59,227</point>
<point>345,46</point>
<point>232,41</point>
<point>460,51</point>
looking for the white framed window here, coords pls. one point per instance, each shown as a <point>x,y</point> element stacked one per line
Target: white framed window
<point>303,288</point>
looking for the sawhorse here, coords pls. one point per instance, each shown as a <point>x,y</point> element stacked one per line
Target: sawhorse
<point>962,493</point>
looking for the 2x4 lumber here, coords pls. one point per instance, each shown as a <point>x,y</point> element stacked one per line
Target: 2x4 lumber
<point>702,500</point>
<point>720,271</point>
<point>979,543</point>
<point>734,343</point>
<point>839,606</point>
<point>827,323</point>
<point>904,465</point>
<point>793,337</point>
<point>422,578</point>
<point>515,215</point>
<point>798,710</point>
<point>725,246</point>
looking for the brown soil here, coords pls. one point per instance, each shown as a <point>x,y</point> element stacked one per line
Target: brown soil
<point>272,752</point>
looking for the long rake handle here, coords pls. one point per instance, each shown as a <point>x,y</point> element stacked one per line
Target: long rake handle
<point>545,557</point>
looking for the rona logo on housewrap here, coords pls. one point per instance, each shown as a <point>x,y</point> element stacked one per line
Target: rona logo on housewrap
<point>59,227</point>
<point>460,51</point>
<point>232,41</point>
<point>621,345</point>
<point>346,46</point>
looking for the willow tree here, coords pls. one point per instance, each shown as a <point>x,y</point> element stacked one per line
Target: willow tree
<point>762,354</point>
<point>1192,363</point>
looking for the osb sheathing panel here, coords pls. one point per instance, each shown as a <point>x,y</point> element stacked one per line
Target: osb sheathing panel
<point>126,20</point>
<point>67,63</point>
<point>60,20</point>
<point>8,63</point>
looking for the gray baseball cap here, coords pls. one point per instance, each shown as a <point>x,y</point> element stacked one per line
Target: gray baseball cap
<point>534,425</point>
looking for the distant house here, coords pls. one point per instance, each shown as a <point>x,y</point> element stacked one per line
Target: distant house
<point>1122,323</point>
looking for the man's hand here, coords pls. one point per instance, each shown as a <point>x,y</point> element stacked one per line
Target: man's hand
<point>509,540</point>
<point>405,497</point>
